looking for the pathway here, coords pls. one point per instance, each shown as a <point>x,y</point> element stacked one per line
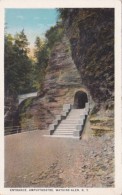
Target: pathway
<point>32,160</point>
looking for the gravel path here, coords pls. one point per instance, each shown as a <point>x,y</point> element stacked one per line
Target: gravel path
<point>32,160</point>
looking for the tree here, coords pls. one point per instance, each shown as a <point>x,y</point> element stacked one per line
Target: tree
<point>9,64</point>
<point>18,66</point>
<point>21,43</point>
<point>54,34</point>
<point>42,56</point>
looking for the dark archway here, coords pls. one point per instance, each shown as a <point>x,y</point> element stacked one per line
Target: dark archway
<point>80,99</point>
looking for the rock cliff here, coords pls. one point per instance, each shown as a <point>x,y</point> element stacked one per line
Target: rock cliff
<point>91,35</point>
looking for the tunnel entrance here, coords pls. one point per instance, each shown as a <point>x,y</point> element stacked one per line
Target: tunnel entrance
<point>80,99</point>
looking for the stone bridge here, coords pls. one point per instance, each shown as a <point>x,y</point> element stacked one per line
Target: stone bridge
<point>22,97</point>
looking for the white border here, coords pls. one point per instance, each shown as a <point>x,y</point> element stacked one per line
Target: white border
<point>58,3</point>
<point>118,83</point>
<point>2,97</point>
<point>118,133</point>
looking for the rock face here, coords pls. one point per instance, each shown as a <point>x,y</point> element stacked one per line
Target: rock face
<point>91,35</point>
<point>62,81</point>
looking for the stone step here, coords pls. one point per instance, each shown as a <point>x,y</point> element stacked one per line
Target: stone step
<point>67,125</point>
<point>72,122</point>
<point>81,111</point>
<point>70,127</point>
<point>75,115</point>
<point>77,111</point>
<point>76,118</point>
<point>64,127</point>
<point>65,130</point>
<point>81,114</point>
<point>65,136</point>
<point>62,133</point>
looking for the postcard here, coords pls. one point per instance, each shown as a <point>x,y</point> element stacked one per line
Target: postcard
<point>60,97</point>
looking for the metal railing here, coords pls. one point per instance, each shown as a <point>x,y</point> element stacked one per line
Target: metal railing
<point>18,129</point>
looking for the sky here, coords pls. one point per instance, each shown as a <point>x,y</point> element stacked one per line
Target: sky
<point>35,22</point>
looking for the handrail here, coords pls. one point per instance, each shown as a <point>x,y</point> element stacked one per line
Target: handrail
<point>18,129</point>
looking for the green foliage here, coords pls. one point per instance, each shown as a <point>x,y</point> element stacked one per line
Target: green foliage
<point>42,52</point>
<point>21,43</point>
<point>18,66</point>
<point>42,56</point>
<point>63,12</point>
<point>54,34</point>
<point>22,74</point>
<point>25,104</point>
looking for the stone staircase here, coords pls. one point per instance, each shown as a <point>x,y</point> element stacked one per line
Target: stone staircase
<point>72,125</point>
